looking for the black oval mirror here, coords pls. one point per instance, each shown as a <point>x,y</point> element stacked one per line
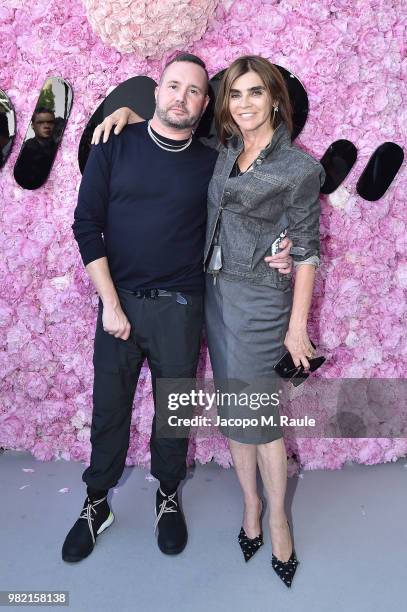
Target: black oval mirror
<point>337,161</point>
<point>206,130</point>
<point>44,134</point>
<point>137,93</point>
<point>7,127</point>
<point>380,171</point>
<point>299,100</point>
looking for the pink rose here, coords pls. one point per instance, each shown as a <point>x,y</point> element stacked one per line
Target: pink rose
<point>51,410</point>
<point>31,316</point>
<point>300,39</point>
<point>68,383</point>
<point>325,61</point>
<point>36,354</point>
<point>104,55</point>
<point>11,430</point>
<point>47,31</point>
<point>349,70</point>
<point>17,337</point>
<point>55,394</point>
<point>43,450</point>
<point>54,430</point>
<point>61,13</point>
<point>34,384</point>
<point>6,15</point>
<point>401,275</point>
<point>75,33</point>
<point>6,314</point>
<point>78,451</point>
<point>44,232</point>
<point>8,364</point>
<point>372,43</point>
<point>8,47</point>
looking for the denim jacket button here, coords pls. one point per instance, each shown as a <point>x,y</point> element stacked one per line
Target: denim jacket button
<point>258,162</point>
<point>227,193</point>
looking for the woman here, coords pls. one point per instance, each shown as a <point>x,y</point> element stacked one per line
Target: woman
<point>261,186</point>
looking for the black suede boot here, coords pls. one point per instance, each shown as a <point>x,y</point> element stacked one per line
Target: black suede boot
<point>95,517</point>
<point>170,523</point>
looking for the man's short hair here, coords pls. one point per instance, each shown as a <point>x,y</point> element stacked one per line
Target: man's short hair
<point>186,57</point>
<point>41,110</point>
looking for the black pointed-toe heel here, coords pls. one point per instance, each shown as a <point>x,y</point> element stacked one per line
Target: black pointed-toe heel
<point>285,569</point>
<point>248,545</point>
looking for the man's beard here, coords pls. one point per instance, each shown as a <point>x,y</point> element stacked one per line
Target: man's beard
<point>179,124</point>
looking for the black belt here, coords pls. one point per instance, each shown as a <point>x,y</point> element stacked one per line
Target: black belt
<point>152,294</point>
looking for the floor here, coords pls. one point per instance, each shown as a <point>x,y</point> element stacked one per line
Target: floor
<point>349,533</point>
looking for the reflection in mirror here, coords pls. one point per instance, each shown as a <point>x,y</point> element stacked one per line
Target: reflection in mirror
<point>7,127</point>
<point>44,134</point>
<point>380,171</point>
<point>137,93</point>
<point>206,130</point>
<point>337,161</point>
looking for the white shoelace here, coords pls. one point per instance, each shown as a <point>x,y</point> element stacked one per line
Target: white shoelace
<point>87,514</point>
<point>164,507</point>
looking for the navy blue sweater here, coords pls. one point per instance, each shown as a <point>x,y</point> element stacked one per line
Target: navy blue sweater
<point>150,206</point>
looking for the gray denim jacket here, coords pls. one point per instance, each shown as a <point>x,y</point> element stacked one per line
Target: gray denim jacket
<point>282,191</point>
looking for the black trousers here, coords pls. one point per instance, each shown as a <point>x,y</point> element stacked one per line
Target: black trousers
<point>167,333</point>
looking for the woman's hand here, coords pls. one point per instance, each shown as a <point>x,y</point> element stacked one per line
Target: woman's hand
<point>299,345</point>
<point>282,260</point>
<point>120,118</point>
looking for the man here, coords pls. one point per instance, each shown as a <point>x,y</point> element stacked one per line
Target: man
<point>145,190</point>
<point>37,154</point>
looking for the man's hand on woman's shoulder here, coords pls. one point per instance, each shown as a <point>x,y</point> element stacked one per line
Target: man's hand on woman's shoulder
<point>120,118</point>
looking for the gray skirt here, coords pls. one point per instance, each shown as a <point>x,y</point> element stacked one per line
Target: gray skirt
<point>245,328</point>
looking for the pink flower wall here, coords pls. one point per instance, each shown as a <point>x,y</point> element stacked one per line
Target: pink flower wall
<point>349,56</point>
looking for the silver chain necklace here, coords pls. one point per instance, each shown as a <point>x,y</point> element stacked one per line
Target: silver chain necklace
<point>165,145</point>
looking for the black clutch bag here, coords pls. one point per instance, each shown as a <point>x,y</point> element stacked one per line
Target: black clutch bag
<point>286,368</point>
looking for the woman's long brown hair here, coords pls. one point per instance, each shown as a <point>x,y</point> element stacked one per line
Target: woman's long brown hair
<point>274,83</point>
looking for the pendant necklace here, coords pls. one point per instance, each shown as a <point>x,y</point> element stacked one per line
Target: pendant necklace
<point>238,172</point>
